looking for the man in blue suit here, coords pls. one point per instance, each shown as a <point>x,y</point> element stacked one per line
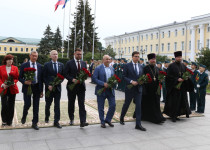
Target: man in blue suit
<point>50,72</point>
<point>132,71</point>
<point>71,71</point>
<point>37,89</point>
<point>100,76</point>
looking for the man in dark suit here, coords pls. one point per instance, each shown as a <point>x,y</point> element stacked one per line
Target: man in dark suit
<point>132,71</point>
<point>91,68</point>
<point>101,75</point>
<point>50,72</point>
<point>72,69</point>
<point>37,89</point>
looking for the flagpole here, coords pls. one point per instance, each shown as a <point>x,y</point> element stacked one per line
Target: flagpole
<point>63,32</point>
<point>94,31</point>
<point>69,29</point>
<point>75,34</point>
<point>83,36</point>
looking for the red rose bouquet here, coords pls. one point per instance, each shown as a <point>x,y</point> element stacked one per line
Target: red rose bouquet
<point>112,81</point>
<point>143,79</point>
<point>187,74</point>
<point>83,74</point>
<point>161,77</point>
<point>57,80</point>
<point>10,81</point>
<point>29,74</point>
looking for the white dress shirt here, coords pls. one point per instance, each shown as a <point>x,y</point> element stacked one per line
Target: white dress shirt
<point>108,72</point>
<point>36,72</point>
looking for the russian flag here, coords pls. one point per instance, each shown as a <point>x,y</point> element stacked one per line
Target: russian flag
<point>65,3</point>
<point>60,2</point>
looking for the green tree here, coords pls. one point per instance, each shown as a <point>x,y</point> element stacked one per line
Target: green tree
<point>57,40</point>
<point>204,57</point>
<point>109,51</point>
<point>89,28</point>
<point>46,43</point>
<point>162,58</point>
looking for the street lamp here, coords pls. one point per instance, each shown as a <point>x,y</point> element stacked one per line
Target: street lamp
<point>142,51</point>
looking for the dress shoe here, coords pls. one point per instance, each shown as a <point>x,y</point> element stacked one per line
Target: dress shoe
<point>46,120</point>
<point>109,123</point>
<point>23,120</point>
<point>178,119</point>
<point>134,115</point>
<point>122,122</point>
<point>71,122</point>
<point>57,125</point>
<point>173,119</point>
<point>187,116</point>
<point>35,126</point>
<point>4,124</point>
<point>103,125</point>
<point>139,127</point>
<point>83,124</point>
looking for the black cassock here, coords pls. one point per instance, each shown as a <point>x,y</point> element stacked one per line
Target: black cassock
<point>176,100</point>
<point>150,99</point>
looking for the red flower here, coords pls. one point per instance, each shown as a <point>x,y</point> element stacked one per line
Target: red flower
<point>12,74</point>
<point>117,78</point>
<point>192,73</point>
<point>149,77</point>
<point>60,76</point>
<point>163,73</point>
<point>29,69</point>
<point>86,72</point>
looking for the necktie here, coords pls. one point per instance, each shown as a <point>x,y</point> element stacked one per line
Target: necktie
<point>55,67</point>
<point>135,69</point>
<point>78,68</point>
<point>34,82</point>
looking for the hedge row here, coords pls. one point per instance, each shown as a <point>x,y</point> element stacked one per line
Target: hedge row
<point>42,59</point>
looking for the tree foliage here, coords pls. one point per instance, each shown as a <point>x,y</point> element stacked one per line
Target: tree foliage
<point>204,57</point>
<point>162,58</point>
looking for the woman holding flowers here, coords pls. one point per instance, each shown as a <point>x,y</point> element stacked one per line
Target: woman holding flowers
<point>151,98</point>
<point>8,79</point>
<point>177,84</point>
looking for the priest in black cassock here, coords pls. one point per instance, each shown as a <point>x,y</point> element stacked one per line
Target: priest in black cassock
<point>151,100</point>
<point>176,100</point>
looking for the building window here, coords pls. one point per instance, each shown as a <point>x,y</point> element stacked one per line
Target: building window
<point>162,47</point>
<point>176,33</point>
<point>198,44</point>
<point>129,50</point>
<point>189,45</point>
<point>151,48</point>
<point>16,49</point>
<point>142,48</point>
<point>133,39</point>
<point>156,47</point>
<point>125,50</point>
<point>169,34</point>
<point>207,43</point>
<point>146,48</point>
<point>122,41</point>
<point>169,47</point>
<point>129,40</point>
<point>208,28</point>
<point>5,48</point>
<point>137,38</point>
<point>182,45</point>
<point>142,37</point>
<point>175,46</point>
<point>162,34</point>
<point>146,36</point>
<point>132,49</point>
<point>10,49</point>
<point>0,48</point>
<point>26,49</point>
<point>182,31</point>
<point>137,48</point>
<point>190,31</point>
<point>157,35</point>
<point>151,36</point>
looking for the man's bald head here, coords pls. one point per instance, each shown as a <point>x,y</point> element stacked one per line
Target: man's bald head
<point>106,60</point>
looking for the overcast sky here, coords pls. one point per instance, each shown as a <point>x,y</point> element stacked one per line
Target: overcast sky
<point>29,18</point>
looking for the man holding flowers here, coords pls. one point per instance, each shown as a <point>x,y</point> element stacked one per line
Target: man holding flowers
<point>131,73</point>
<point>105,90</point>
<point>53,77</point>
<point>32,85</point>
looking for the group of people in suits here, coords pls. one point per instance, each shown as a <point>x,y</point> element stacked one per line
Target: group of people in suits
<point>145,97</point>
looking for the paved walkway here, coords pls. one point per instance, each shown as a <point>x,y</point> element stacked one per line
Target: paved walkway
<point>186,134</point>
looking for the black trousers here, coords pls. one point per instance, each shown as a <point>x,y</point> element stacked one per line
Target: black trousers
<point>57,96</point>
<point>7,110</point>
<point>27,103</point>
<point>80,93</point>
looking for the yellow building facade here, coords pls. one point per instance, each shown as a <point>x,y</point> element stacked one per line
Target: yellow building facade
<point>17,45</point>
<point>189,37</point>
